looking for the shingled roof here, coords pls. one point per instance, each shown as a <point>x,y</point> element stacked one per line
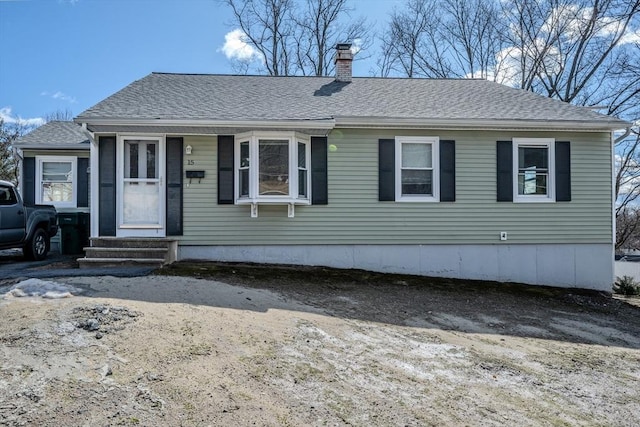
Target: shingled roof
<point>199,98</point>
<point>56,134</point>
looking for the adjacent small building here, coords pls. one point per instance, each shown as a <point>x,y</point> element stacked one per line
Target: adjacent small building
<point>453,178</point>
<point>54,168</point>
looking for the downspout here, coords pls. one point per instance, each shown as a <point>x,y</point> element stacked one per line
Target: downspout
<point>627,132</point>
<point>615,141</point>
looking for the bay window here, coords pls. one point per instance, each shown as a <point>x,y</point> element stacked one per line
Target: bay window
<point>272,168</point>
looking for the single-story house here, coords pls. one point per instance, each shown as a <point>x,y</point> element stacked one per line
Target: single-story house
<point>54,168</point>
<point>456,178</point>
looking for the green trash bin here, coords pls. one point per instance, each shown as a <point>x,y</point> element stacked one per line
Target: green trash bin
<point>74,232</point>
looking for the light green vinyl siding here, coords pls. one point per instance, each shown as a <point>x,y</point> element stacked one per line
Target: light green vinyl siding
<point>355,216</point>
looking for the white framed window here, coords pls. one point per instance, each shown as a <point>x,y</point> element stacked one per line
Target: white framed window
<point>272,168</point>
<point>533,169</point>
<point>57,181</point>
<point>417,169</point>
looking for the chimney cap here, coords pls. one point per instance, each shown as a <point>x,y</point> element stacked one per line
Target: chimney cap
<point>343,46</point>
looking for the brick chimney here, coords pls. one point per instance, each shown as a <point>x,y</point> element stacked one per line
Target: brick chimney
<point>344,59</point>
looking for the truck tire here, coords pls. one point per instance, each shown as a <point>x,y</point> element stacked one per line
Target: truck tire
<point>37,248</point>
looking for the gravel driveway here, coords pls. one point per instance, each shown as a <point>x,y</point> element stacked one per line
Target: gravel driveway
<point>206,344</point>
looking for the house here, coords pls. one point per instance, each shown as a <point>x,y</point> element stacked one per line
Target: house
<point>453,178</point>
<point>54,169</point>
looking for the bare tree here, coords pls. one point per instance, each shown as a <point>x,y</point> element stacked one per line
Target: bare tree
<point>9,132</point>
<point>441,39</point>
<point>567,48</point>
<point>320,27</point>
<point>269,29</point>
<point>290,39</point>
<point>65,115</point>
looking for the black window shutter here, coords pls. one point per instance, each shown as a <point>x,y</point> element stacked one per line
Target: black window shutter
<point>319,191</point>
<point>447,171</point>
<point>174,186</point>
<point>505,171</point>
<point>386,170</point>
<point>563,171</point>
<point>225,170</point>
<point>83,182</point>
<point>29,187</point>
<point>107,184</point>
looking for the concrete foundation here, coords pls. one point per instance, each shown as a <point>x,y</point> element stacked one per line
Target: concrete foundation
<point>588,266</point>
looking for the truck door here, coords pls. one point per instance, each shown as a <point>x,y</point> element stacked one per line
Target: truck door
<point>12,216</point>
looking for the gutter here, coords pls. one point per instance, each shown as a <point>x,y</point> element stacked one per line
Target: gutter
<point>478,124</point>
<point>327,123</point>
<point>371,123</point>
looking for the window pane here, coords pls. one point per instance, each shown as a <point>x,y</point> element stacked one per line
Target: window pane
<point>416,155</point>
<point>302,155</point>
<point>131,159</point>
<point>151,160</point>
<point>533,158</point>
<point>530,182</point>
<point>417,182</point>
<point>274,167</point>
<point>141,203</point>
<point>244,154</point>
<point>57,192</point>
<point>302,183</point>
<point>244,183</point>
<point>56,171</point>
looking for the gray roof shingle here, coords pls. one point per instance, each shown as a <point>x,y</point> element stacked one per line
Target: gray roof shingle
<point>232,97</point>
<point>56,134</point>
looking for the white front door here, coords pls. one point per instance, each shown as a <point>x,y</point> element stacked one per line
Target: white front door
<point>141,189</point>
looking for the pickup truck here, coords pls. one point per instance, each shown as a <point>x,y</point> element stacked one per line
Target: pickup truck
<point>29,227</point>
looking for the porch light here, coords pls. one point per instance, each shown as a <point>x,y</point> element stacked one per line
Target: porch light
<point>188,149</point>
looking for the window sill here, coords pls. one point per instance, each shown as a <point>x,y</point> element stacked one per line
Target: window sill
<point>417,199</point>
<point>273,201</point>
<point>282,201</point>
<point>533,199</point>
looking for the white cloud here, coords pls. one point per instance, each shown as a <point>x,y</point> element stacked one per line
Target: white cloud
<point>356,46</point>
<point>60,95</point>
<point>7,117</point>
<point>236,46</point>
<point>631,37</point>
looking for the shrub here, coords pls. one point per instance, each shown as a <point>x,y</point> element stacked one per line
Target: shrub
<point>626,286</point>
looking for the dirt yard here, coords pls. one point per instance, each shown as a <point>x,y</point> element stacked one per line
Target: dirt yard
<point>248,345</point>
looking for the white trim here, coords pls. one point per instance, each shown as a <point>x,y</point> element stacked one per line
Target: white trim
<point>434,142</point>
<point>613,192</point>
<point>550,144</point>
<point>140,230</point>
<point>475,124</point>
<point>94,162</point>
<point>374,122</point>
<point>74,180</point>
<point>328,123</point>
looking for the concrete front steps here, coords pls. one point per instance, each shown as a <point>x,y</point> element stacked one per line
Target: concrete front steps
<point>117,252</point>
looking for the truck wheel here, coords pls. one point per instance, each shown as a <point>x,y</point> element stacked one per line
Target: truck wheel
<point>38,246</point>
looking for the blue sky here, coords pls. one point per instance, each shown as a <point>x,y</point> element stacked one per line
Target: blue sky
<point>71,54</point>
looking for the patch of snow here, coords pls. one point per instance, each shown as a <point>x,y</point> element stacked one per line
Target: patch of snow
<point>41,288</point>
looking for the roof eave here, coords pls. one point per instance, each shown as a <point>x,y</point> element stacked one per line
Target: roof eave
<point>480,124</point>
<point>327,123</point>
<point>79,146</point>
